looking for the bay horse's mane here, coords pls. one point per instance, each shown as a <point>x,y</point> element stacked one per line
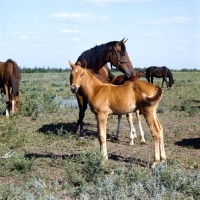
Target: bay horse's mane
<point>170,76</point>
<point>94,55</point>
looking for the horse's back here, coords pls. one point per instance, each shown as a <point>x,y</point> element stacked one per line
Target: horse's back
<point>141,86</point>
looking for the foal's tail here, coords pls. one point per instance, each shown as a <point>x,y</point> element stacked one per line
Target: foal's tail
<point>15,78</point>
<point>155,98</point>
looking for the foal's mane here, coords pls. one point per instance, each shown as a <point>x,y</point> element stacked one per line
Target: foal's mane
<point>96,55</point>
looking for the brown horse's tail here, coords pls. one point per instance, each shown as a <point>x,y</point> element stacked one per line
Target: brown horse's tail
<point>15,78</point>
<point>155,98</point>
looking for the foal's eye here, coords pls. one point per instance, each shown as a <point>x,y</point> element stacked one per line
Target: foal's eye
<point>81,75</point>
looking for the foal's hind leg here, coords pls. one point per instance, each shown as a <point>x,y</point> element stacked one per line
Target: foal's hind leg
<point>82,103</point>
<point>157,134</point>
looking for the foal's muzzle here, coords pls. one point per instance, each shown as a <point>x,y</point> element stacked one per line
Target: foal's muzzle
<point>74,88</point>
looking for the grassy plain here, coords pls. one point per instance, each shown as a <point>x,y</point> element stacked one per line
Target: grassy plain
<point>41,157</point>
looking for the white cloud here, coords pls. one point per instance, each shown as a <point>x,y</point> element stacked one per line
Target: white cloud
<point>181,48</point>
<point>75,39</point>
<point>78,17</point>
<point>174,20</point>
<point>23,37</point>
<point>66,31</point>
<point>104,2</point>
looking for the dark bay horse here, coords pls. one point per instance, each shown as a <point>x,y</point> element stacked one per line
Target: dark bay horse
<point>123,99</point>
<point>96,57</point>
<point>160,72</point>
<point>9,83</point>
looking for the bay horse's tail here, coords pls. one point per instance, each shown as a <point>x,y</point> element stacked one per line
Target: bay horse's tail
<point>155,98</point>
<point>15,78</point>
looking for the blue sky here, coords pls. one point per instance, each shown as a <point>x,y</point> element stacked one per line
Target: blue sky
<point>46,33</point>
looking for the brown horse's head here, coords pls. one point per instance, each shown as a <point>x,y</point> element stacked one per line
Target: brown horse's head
<point>76,75</point>
<point>14,103</point>
<point>120,59</point>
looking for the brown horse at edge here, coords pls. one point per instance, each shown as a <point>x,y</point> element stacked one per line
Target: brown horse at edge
<point>9,83</point>
<point>132,95</point>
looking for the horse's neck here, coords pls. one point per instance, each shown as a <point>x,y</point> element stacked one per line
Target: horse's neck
<point>90,84</point>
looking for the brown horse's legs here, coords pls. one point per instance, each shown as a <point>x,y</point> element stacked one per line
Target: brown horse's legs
<point>101,124</point>
<point>82,103</point>
<point>7,100</point>
<point>157,134</point>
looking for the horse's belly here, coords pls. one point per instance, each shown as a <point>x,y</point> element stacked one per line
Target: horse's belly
<point>122,109</point>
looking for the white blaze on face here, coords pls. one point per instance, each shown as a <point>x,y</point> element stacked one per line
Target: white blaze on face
<point>13,104</point>
<point>76,70</point>
<point>7,112</point>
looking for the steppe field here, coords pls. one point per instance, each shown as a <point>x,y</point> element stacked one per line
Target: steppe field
<point>42,158</point>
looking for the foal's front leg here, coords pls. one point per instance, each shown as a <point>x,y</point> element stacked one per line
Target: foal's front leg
<point>101,124</point>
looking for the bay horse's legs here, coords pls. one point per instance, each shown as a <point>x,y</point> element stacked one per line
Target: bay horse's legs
<point>132,128</point>
<point>7,100</point>
<point>82,103</point>
<point>140,127</point>
<point>118,127</point>
<point>152,79</point>
<point>101,124</point>
<point>148,78</point>
<point>165,80</point>
<point>157,134</point>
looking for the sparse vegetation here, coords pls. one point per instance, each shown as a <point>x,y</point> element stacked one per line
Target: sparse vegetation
<point>41,157</point>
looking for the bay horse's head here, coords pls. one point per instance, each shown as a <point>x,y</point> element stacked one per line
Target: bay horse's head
<point>76,75</point>
<point>120,59</point>
<point>171,83</point>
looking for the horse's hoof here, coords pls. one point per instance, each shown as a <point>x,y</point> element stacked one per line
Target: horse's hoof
<point>115,138</point>
<point>81,138</point>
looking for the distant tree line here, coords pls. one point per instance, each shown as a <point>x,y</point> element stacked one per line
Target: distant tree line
<point>43,70</point>
<point>60,70</point>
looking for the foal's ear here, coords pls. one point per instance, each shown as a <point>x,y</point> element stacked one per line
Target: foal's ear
<point>71,64</point>
<point>84,64</point>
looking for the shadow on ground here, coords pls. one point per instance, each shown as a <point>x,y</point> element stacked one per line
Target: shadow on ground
<point>190,143</point>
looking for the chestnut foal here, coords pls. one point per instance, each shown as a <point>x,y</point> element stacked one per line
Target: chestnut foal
<point>108,99</point>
